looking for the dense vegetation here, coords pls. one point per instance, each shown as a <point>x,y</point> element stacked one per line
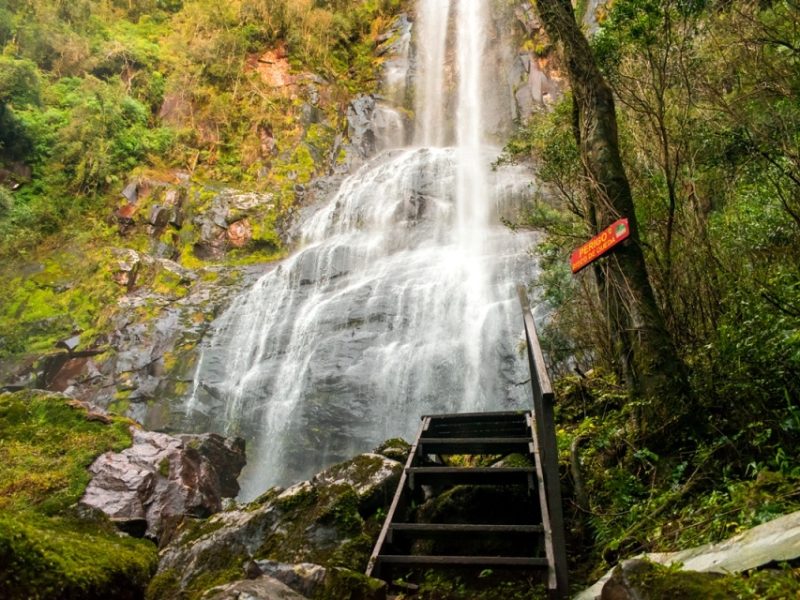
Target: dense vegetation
<point>92,90</point>
<point>48,549</point>
<point>95,94</point>
<point>708,107</point>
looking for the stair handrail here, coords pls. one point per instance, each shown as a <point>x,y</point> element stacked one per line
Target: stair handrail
<point>545,432</point>
<point>373,566</point>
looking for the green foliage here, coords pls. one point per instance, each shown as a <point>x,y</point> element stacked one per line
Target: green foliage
<point>639,500</point>
<point>94,92</point>
<point>709,117</point>
<point>19,81</point>
<point>46,446</point>
<point>488,585</point>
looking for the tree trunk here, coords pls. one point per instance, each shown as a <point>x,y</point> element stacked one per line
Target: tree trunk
<point>656,372</point>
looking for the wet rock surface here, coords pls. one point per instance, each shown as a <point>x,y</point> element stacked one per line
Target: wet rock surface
<point>149,488</point>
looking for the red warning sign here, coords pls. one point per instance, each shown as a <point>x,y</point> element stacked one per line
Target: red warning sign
<point>600,244</point>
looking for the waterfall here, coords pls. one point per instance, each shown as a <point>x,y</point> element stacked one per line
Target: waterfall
<point>400,298</point>
<point>433,16</point>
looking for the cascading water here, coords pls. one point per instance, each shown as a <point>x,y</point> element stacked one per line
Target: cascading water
<point>400,300</point>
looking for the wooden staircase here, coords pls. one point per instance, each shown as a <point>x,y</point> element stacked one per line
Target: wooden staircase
<point>502,538</point>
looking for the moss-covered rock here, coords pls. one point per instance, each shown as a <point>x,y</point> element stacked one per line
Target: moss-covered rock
<point>650,581</point>
<point>329,521</point>
<point>47,548</point>
<point>395,448</point>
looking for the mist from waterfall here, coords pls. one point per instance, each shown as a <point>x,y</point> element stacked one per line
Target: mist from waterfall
<point>400,299</point>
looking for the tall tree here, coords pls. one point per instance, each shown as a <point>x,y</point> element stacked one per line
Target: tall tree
<point>652,364</point>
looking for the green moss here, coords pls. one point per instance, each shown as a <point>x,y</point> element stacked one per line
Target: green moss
<point>70,289</point>
<point>54,557</point>
<point>224,570</point>
<point>169,284</point>
<point>46,446</point>
<point>664,583</point>
<point>464,584</point>
<point>345,584</point>
<point>302,498</point>
<point>341,509</point>
<point>265,498</point>
<point>330,507</point>
<point>164,585</point>
<point>194,529</point>
<point>354,553</point>
<point>121,402</point>
<point>517,460</point>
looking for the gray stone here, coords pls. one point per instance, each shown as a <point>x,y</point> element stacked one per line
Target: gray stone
<point>131,192</point>
<point>360,129</point>
<point>372,476</point>
<point>304,578</point>
<point>160,216</point>
<point>261,588</point>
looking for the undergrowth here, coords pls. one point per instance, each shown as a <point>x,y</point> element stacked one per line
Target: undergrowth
<point>626,498</point>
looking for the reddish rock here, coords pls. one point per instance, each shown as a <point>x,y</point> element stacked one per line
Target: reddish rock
<point>273,67</point>
<point>240,233</point>
<point>71,369</point>
<point>127,211</point>
<point>148,488</point>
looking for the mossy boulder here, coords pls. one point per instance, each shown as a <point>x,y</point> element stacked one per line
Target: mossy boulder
<point>641,579</point>
<point>48,549</point>
<point>329,520</point>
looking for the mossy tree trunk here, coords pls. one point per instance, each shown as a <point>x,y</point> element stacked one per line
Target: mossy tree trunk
<point>647,352</point>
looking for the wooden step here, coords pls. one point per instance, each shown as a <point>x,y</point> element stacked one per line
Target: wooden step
<point>476,445</point>
<point>470,476</point>
<point>482,561</point>
<point>446,530</point>
<point>505,415</point>
<point>506,424</point>
<point>512,430</point>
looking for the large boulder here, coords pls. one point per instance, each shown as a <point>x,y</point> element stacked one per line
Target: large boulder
<point>328,522</point>
<point>149,488</point>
